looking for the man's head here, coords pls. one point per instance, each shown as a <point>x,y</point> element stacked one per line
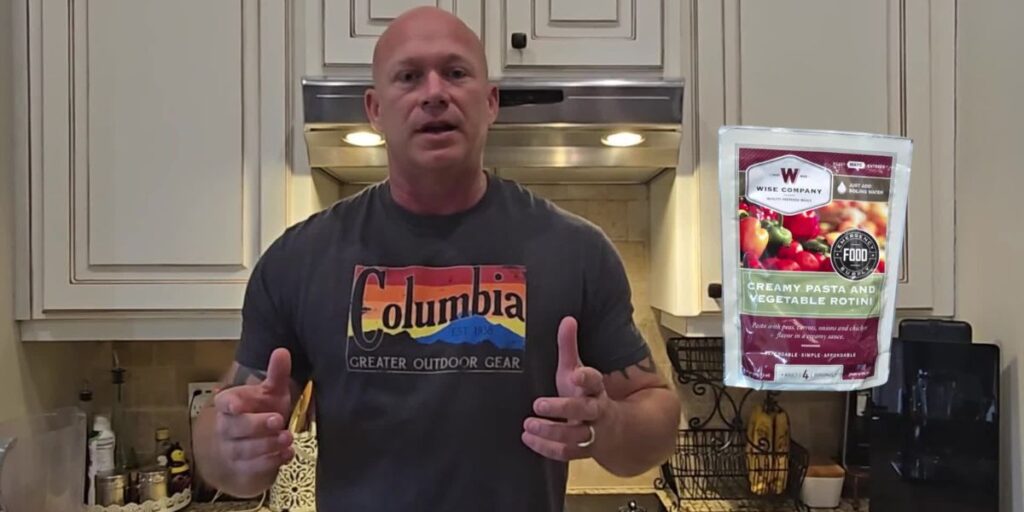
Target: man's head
<point>431,97</point>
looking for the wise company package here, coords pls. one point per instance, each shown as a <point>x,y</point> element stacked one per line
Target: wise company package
<point>813,225</point>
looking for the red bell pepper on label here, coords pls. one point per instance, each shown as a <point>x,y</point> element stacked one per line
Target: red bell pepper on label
<point>808,261</point>
<point>789,252</point>
<point>758,212</point>
<point>753,238</point>
<point>804,226</point>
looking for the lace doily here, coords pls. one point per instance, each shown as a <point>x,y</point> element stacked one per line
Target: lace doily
<point>295,487</point>
<point>169,504</point>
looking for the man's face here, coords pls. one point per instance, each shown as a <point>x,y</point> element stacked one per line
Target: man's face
<point>431,99</point>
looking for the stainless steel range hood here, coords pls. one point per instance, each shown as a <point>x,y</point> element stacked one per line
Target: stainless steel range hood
<point>546,132</point>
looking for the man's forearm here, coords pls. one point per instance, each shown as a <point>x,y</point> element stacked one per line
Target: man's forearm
<point>640,432</point>
<point>215,470</point>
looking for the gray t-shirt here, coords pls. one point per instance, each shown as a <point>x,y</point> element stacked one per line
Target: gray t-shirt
<point>429,337</point>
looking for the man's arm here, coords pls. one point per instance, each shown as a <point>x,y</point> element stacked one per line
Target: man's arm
<point>641,421</point>
<point>241,438</point>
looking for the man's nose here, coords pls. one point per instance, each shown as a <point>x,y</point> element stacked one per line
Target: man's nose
<point>435,92</point>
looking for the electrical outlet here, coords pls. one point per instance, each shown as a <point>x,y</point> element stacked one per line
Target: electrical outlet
<point>199,394</point>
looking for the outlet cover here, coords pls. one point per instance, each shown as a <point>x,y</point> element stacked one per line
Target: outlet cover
<point>199,394</point>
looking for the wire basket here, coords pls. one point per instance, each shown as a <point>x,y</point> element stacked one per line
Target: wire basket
<point>720,464</point>
<point>697,358</point>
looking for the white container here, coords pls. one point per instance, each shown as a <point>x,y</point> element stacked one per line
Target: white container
<point>101,453</point>
<point>823,486</point>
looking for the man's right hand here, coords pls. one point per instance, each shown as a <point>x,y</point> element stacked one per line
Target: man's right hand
<point>250,424</point>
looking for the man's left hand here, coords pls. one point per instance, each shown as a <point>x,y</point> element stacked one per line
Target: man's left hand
<point>569,424</point>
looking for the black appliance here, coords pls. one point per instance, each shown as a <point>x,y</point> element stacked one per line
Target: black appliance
<point>934,428</point>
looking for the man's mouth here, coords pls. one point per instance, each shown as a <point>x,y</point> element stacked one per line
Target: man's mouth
<point>436,127</point>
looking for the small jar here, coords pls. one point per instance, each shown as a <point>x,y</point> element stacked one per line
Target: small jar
<point>152,484</point>
<point>110,489</point>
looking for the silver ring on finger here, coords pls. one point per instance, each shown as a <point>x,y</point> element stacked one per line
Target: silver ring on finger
<point>590,441</point>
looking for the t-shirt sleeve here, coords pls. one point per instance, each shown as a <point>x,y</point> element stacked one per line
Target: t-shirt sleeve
<point>608,337</point>
<point>267,316</point>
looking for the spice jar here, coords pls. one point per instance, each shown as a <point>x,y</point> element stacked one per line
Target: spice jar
<point>152,484</point>
<point>110,489</point>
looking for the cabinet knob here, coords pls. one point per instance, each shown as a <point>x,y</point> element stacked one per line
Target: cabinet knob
<point>715,290</point>
<point>518,40</point>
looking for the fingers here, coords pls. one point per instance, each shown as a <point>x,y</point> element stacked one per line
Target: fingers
<point>568,348</point>
<point>582,409</point>
<point>558,432</point>
<point>589,380</point>
<point>246,399</point>
<point>279,371</point>
<point>268,462</point>
<point>245,426</point>
<point>553,449</point>
<point>258,447</point>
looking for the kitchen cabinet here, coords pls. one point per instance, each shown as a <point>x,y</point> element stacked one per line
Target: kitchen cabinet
<point>597,33</point>
<point>521,37</point>
<point>351,27</point>
<point>880,67</point>
<point>155,166</point>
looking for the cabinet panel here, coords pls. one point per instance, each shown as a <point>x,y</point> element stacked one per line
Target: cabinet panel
<point>140,166</point>
<point>620,33</point>
<point>584,10</point>
<point>350,28</point>
<point>164,156</point>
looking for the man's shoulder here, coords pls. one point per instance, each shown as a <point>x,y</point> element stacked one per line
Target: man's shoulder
<point>523,200</point>
<point>323,226</point>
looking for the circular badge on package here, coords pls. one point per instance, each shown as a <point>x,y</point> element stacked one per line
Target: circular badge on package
<point>855,254</point>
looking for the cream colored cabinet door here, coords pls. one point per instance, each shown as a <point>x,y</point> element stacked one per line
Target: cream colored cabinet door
<point>157,151</point>
<point>351,27</point>
<point>880,67</point>
<point>583,33</point>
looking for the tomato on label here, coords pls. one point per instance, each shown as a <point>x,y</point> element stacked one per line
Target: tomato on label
<point>808,261</point>
<point>789,251</point>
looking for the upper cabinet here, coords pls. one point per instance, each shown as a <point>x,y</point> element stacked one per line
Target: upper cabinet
<point>156,160</point>
<point>521,37</point>
<point>579,33</point>
<point>879,67</point>
<point>351,27</point>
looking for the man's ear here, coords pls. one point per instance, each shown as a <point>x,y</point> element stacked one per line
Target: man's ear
<point>492,102</point>
<point>372,105</point>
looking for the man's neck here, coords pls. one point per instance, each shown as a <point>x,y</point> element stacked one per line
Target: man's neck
<point>438,194</point>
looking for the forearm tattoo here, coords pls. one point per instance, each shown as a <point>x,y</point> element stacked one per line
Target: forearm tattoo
<point>646,366</point>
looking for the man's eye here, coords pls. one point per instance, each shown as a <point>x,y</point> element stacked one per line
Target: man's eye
<point>406,76</point>
<point>458,73</point>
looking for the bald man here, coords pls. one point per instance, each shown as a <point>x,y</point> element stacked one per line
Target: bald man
<point>466,338</point>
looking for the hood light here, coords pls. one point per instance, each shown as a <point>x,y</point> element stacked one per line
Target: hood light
<point>622,139</point>
<point>363,138</point>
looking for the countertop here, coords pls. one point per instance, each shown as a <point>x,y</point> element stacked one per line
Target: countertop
<point>692,506</point>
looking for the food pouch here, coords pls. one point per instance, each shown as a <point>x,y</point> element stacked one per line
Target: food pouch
<point>813,225</point>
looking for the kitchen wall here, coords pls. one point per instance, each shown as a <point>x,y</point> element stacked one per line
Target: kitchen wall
<point>989,182</point>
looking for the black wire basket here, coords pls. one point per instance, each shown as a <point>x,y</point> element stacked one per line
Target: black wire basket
<point>722,464</point>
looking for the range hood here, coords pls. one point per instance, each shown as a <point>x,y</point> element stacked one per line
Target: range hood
<point>546,132</point>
